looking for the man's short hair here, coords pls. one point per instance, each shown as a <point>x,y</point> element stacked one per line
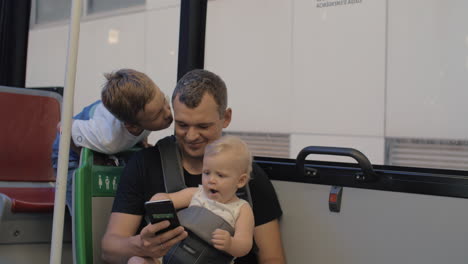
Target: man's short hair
<point>234,145</point>
<point>126,93</point>
<point>193,85</point>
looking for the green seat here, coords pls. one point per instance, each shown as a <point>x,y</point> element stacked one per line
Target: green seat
<point>95,185</point>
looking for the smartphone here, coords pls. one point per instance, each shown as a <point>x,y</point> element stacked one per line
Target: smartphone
<point>157,211</point>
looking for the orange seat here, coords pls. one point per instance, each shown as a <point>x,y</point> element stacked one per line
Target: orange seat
<point>28,120</point>
<point>29,124</point>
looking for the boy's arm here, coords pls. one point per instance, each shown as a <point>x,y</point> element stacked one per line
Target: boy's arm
<point>241,243</point>
<point>103,133</point>
<point>181,199</point>
<point>95,134</point>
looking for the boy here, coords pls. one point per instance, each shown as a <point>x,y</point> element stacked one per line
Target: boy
<point>131,106</point>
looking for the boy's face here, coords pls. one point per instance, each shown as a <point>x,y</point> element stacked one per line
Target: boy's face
<point>157,114</point>
<point>222,176</point>
<point>196,127</point>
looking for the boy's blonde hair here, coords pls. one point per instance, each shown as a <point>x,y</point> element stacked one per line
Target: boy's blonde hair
<point>126,93</point>
<point>232,144</point>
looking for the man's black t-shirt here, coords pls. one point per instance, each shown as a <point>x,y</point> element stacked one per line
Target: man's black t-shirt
<point>142,178</point>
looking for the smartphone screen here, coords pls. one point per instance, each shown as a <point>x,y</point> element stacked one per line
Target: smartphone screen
<point>157,211</point>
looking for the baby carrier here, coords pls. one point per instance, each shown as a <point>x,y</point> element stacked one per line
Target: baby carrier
<point>198,221</point>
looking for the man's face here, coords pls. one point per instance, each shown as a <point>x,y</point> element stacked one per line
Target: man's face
<point>195,128</point>
<point>157,114</point>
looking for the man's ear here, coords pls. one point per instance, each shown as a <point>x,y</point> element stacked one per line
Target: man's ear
<point>133,129</point>
<point>227,117</point>
<point>242,180</point>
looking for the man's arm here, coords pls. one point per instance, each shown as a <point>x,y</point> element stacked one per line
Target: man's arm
<point>267,211</point>
<point>268,240</point>
<point>119,242</point>
<point>103,133</point>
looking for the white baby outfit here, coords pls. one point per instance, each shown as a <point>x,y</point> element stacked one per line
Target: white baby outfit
<point>228,212</point>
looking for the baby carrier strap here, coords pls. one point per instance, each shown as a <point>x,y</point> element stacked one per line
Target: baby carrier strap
<point>197,248</point>
<point>171,165</point>
<point>202,222</point>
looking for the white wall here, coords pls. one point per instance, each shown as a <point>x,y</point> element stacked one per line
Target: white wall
<point>47,51</point>
<point>292,67</point>
<point>96,54</point>
<point>248,43</point>
<point>145,41</point>
<point>162,48</point>
<point>339,76</point>
<point>372,227</point>
<point>427,69</point>
<point>339,68</point>
<point>345,75</point>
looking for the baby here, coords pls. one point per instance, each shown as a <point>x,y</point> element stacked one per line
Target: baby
<point>227,164</point>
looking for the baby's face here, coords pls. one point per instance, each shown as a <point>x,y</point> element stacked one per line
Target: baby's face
<point>222,177</point>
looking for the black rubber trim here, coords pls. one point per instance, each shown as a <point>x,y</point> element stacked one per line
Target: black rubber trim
<point>191,36</point>
<point>367,174</point>
<point>450,183</point>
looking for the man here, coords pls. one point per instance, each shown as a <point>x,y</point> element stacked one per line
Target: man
<point>200,112</point>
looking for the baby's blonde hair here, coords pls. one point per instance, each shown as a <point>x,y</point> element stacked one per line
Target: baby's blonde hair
<point>232,144</point>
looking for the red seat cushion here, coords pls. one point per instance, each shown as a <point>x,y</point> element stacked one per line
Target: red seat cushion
<point>30,199</point>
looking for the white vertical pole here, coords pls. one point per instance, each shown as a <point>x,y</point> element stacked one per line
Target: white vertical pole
<point>66,121</point>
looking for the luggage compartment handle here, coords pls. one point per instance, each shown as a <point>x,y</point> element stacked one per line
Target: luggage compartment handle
<point>368,173</point>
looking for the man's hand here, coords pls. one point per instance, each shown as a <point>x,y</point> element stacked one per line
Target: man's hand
<point>119,242</point>
<point>158,246</point>
<point>221,239</point>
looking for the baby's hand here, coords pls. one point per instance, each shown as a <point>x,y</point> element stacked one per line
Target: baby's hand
<point>221,239</point>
